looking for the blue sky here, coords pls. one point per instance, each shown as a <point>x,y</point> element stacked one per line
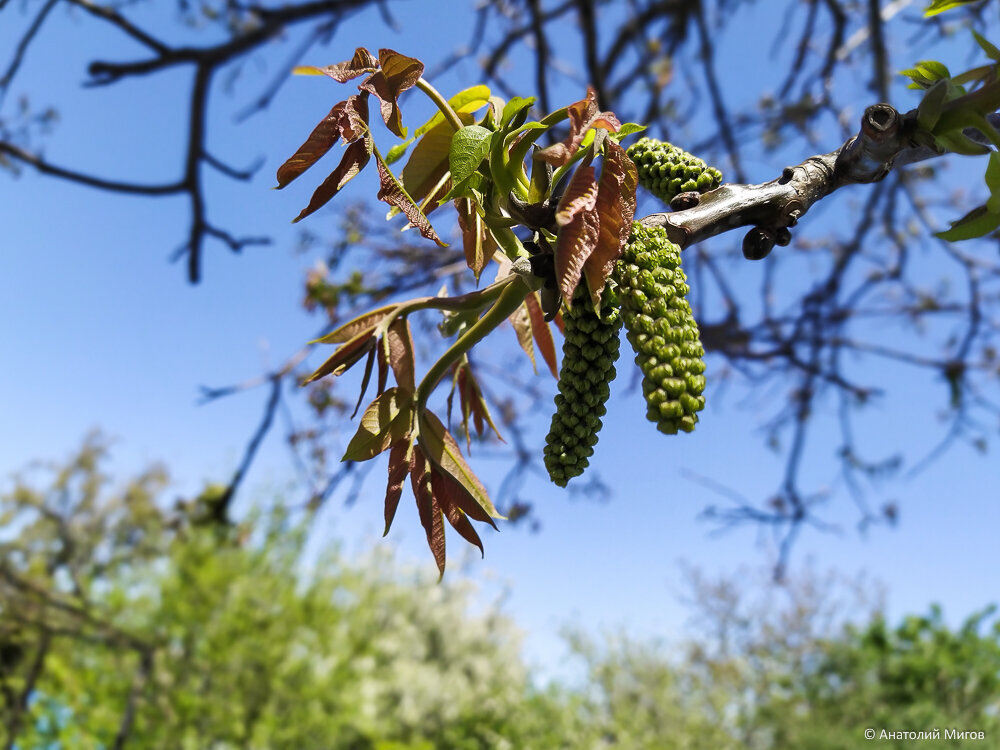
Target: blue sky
<point>99,331</point>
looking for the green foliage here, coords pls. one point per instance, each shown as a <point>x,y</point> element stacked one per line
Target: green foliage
<point>662,329</point>
<point>666,171</point>
<point>940,6</point>
<point>590,351</point>
<point>122,622</point>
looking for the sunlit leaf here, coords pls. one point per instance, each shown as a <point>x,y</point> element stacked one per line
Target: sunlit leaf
<point>362,62</point>
<point>615,209</point>
<point>477,243</point>
<point>441,448</point>
<point>347,119</point>
<point>940,6</point>
<point>448,494</point>
<point>583,116</point>
<point>400,460</point>
<point>399,344</point>
<point>977,223</point>
<point>350,329</point>
<point>469,146</point>
<point>396,74</point>
<point>344,358</point>
<point>521,320</point>
<point>392,192</point>
<point>355,158</point>
<point>377,428</point>
<point>427,507</point>
<point>542,333</point>
<point>578,228</point>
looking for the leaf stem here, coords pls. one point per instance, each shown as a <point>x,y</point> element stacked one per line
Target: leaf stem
<point>435,96</point>
<point>513,290</point>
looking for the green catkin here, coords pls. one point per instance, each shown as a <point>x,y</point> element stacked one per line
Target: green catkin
<point>661,328</point>
<point>665,170</point>
<point>589,353</point>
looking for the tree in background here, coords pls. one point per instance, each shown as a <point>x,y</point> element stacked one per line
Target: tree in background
<point>128,624</point>
<point>804,331</point>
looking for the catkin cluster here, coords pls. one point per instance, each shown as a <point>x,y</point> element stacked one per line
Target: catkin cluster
<point>589,353</point>
<point>665,170</point>
<point>662,330</point>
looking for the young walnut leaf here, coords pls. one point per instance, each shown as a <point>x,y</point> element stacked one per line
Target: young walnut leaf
<point>396,74</point>
<point>427,506</point>
<point>386,420</point>
<point>439,445</point>
<point>393,193</point>
<point>362,62</point>
<point>579,227</point>
<point>542,333</point>
<point>400,464</point>
<point>355,158</point>
<point>615,209</point>
<point>345,357</point>
<point>365,322</point>
<point>347,119</point>
<point>449,494</point>
<point>583,116</point>
<point>399,346</point>
<point>477,242</point>
<point>471,403</point>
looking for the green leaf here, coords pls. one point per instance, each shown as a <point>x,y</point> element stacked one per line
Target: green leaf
<point>442,449</point>
<point>929,110</point>
<point>977,223</point>
<point>991,52</point>
<point>515,108</point>
<point>626,129</point>
<point>933,70</point>
<point>385,420</point>
<point>396,152</point>
<point>469,146</point>
<point>960,144</point>
<point>468,100</point>
<point>940,6</point>
<point>993,183</point>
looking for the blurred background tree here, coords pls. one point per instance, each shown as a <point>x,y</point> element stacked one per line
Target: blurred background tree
<point>125,622</point>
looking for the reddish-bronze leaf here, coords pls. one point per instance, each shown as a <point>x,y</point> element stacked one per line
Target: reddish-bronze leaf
<point>347,119</point>
<point>579,226</point>
<point>399,343</point>
<point>441,448</point>
<point>615,209</point>
<point>478,243</point>
<point>521,320</point>
<point>427,506</point>
<point>356,156</point>
<point>350,329</point>
<point>398,73</point>
<point>473,404</point>
<point>383,368</point>
<point>344,358</point>
<point>542,333</point>
<point>393,193</point>
<point>362,62</point>
<point>445,491</point>
<point>583,115</point>
<point>400,460</point>
<point>365,379</point>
